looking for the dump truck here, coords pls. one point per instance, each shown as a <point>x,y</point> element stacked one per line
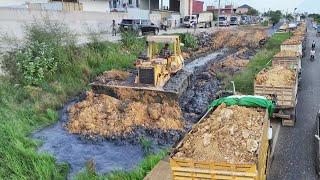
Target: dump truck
<point>279,84</point>
<point>211,162</point>
<point>289,59</point>
<point>295,43</point>
<point>205,19</point>
<point>153,69</point>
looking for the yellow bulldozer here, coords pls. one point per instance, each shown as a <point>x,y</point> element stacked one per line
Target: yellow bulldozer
<point>157,68</point>
<point>153,70</point>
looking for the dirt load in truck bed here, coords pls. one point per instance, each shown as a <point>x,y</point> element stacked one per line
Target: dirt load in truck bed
<point>100,114</point>
<point>230,134</point>
<point>276,76</point>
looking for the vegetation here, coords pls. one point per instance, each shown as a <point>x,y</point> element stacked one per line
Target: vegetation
<point>316,17</point>
<point>189,40</point>
<point>289,17</point>
<point>253,12</point>
<point>137,174</point>
<point>29,97</point>
<point>244,80</point>
<point>275,16</point>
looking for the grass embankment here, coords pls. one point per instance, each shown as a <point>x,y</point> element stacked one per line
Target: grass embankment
<point>244,80</point>
<point>44,75</point>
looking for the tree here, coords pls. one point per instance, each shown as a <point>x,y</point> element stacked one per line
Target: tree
<point>289,17</point>
<point>253,12</point>
<point>275,16</point>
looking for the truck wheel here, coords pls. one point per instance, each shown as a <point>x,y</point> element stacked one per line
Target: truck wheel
<point>205,25</point>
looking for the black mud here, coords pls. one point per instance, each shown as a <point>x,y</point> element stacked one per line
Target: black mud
<point>77,150</point>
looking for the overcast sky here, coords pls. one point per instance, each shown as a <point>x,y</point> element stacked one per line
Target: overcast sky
<point>265,5</point>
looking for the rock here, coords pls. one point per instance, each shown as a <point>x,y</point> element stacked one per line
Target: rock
<point>245,133</point>
<point>252,145</point>
<point>206,139</point>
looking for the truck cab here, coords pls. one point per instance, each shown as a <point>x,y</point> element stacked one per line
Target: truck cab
<point>223,21</point>
<point>189,21</point>
<point>234,21</point>
<point>317,143</point>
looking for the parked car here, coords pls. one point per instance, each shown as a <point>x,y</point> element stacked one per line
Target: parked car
<point>142,26</point>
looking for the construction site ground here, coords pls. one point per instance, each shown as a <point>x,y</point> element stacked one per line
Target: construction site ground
<point>122,151</point>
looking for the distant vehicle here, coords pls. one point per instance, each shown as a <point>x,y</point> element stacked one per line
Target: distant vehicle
<point>223,20</point>
<point>143,26</point>
<point>318,31</point>
<point>314,25</point>
<point>205,19</point>
<point>292,25</point>
<point>283,28</point>
<point>234,21</point>
<point>189,21</point>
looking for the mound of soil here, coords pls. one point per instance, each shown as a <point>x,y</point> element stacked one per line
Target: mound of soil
<point>230,134</point>
<point>276,76</point>
<point>237,39</point>
<point>114,75</point>
<point>118,118</point>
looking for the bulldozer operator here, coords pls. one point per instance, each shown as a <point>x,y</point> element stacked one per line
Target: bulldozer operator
<point>165,52</point>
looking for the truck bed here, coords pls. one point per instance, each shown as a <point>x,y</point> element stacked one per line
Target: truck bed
<point>192,169</point>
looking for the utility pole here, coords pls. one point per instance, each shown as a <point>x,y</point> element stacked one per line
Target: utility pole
<point>218,15</point>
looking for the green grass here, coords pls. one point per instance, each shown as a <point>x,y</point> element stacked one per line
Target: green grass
<point>24,109</point>
<point>138,173</point>
<point>244,80</point>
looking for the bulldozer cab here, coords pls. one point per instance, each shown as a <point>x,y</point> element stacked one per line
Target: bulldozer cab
<point>154,42</point>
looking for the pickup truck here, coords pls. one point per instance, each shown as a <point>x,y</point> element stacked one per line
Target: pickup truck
<point>143,26</point>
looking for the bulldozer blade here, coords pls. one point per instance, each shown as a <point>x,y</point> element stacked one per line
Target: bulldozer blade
<point>133,92</point>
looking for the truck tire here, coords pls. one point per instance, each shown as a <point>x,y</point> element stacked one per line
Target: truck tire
<point>205,25</point>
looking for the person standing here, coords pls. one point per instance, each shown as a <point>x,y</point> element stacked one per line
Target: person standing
<point>114,28</point>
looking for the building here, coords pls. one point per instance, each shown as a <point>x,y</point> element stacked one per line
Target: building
<point>197,7</point>
<point>227,10</point>
<point>243,9</point>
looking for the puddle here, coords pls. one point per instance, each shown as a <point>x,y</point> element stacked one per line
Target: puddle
<point>71,149</point>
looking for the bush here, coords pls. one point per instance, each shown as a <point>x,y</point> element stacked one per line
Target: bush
<point>131,42</point>
<point>189,40</point>
<point>36,62</point>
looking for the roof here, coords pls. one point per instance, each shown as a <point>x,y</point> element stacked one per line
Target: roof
<point>287,54</point>
<point>162,39</point>
<point>245,6</point>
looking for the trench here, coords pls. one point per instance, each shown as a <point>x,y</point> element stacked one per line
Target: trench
<point>77,150</point>
<point>198,88</point>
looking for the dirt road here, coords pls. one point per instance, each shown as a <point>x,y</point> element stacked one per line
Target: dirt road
<point>294,151</point>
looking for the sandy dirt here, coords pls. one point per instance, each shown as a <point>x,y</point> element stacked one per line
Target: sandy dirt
<point>230,134</point>
<point>276,76</point>
<point>237,39</point>
<point>107,116</point>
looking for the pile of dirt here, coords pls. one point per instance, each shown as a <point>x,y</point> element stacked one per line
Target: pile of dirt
<point>113,75</point>
<point>288,53</point>
<point>119,118</point>
<point>237,39</point>
<point>295,40</point>
<point>230,134</point>
<point>276,76</point>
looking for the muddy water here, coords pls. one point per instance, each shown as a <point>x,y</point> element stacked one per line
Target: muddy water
<point>76,151</point>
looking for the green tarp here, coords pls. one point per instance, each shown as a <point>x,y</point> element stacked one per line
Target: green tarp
<point>248,101</point>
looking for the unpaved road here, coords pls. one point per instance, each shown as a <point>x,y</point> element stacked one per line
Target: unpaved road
<point>294,151</point>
